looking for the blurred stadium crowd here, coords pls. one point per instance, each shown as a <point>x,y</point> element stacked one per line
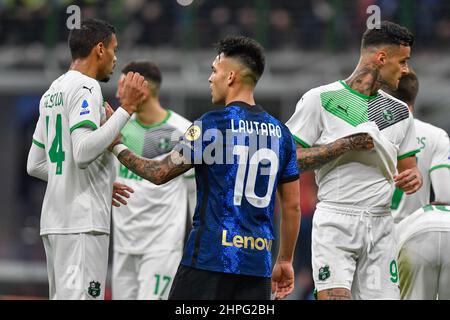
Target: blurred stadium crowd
<point>280,24</point>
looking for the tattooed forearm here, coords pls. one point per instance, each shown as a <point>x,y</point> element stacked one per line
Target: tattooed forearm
<point>334,294</point>
<point>155,171</point>
<point>314,158</point>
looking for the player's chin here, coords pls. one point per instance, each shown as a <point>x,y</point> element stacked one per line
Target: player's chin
<point>108,75</point>
<point>216,100</point>
<point>105,79</point>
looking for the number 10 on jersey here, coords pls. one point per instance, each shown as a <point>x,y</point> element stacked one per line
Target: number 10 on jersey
<point>262,154</point>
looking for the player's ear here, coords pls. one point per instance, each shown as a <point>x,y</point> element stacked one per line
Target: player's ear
<point>381,57</point>
<point>100,49</point>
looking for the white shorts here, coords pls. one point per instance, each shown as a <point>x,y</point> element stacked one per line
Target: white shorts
<point>144,276</point>
<point>77,265</point>
<point>355,249</point>
<point>424,266</point>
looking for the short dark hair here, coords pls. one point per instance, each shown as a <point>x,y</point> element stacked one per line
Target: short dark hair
<point>148,69</point>
<point>90,33</point>
<point>408,87</point>
<point>247,51</point>
<point>388,33</point>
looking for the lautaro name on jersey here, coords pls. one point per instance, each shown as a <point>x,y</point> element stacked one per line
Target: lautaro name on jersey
<point>240,154</point>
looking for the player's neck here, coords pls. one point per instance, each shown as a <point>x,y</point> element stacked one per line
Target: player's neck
<point>152,112</point>
<point>85,67</point>
<point>366,78</point>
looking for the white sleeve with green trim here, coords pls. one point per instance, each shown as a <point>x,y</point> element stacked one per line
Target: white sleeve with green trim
<point>441,152</point>
<point>305,124</point>
<point>37,159</point>
<point>408,147</point>
<point>440,179</point>
<point>440,168</point>
<point>39,135</point>
<point>85,106</point>
<point>37,163</point>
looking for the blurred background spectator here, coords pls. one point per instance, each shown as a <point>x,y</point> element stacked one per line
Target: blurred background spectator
<point>320,24</point>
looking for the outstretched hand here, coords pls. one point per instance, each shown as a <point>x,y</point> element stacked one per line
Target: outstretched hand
<point>132,90</point>
<point>282,279</point>
<point>109,112</point>
<point>120,192</point>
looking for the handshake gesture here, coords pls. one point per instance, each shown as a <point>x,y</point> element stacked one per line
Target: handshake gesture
<point>132,91</point>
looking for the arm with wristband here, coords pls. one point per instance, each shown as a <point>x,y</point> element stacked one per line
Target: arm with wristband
<point>89,143</point>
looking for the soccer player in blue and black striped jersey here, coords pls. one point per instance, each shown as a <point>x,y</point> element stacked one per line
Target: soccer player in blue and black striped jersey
<point>242,156</point>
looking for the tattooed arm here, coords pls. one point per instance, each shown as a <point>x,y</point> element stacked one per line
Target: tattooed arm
<point>314,158</point>
<point>155,171</point>
<point>334,294</point>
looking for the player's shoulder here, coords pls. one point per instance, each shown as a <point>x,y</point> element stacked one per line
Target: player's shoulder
<point>333,86</point>
<point>215,114</point>
<point>429,209</point>
<point>56,84</point>
<point>315,93</point>
<point>77,82</point>
<point>429,129</point>
<point>178,121</point>
<point>394,102</point>
<point>285,132</point>
<point>275,121</point>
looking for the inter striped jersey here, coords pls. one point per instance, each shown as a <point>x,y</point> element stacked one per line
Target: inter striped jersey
<point>240,154</point>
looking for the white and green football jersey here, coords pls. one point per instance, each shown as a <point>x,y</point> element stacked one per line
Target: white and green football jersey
<point>76,200</point>
<point>434,154</point>
<point>327,113</point>
<point>155,217</point>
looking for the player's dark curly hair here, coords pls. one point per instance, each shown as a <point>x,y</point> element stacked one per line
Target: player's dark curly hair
<point>388,33</point>
<point>148,69</point>
<point>90,33</point>
<point>247,51</point>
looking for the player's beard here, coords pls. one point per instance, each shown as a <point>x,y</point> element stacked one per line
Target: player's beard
<point>108,76</point>
<point>105,79</point>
